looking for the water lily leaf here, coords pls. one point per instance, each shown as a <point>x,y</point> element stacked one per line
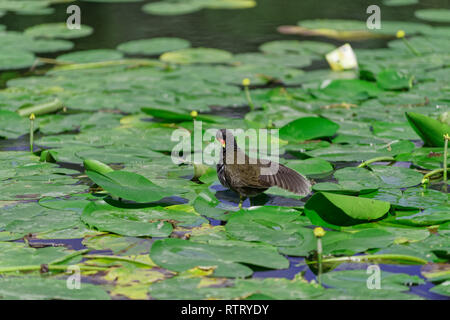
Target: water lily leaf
<point>362,153</point>
<point>394,3</point>
<point>349,280</point>
<point>172,8</point>
<point>308,128</point>
<point>277,226</point>
<point>336,210</point>
<point>57,30</point>
<point>119,245</point>
<point>32,218</point>
<point>153,46</point>
<point>174,116</point>
<point>442,288</point>
<point>394,130</point>
<point>127,223</point>
<point>312,167</point>
<point>197,55</point>
<point>390,79</point>
<point>397,177</point>
<point>52,124</point>
<point>216,288</point>
<point>430,216</point>
<point>11,59</point>
<point>435,15</point>
<point>313,48</point>
<point>39,288</point>
<point>129,185</point>
<point>351,181</point>
<point>226,256</point>
<point>13,125</point>
<point>88,56</point>
<point>411,198</point>
<point>430,130</point>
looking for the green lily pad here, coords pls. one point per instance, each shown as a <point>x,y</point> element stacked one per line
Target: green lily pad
<point>15,59</point>
<point>356,279</point>
<point>88,56</point>
<point>197,55</point>
<point>390,79</point>
<point>312,167</point>
<point>129,185</point>
<point>361,153</point>
<point>57,30</point>
<point>430,130</point>
<point>39,288</point>
<point>277,226</point>
<point>334,210</point>
<point>153,46</point>
<point>226,256</point>
<point>395,3</point>
<point>125,222</point>
<point>435,15</point>
<point>308,128</point>
<point>172,8</point>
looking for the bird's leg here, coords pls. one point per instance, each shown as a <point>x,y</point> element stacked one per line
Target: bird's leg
<point>241,200</point>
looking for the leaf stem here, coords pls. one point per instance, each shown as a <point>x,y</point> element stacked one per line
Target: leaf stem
<point>118,258</point>
<point>386,257</point>
<point>432,173</point>
<point>50,268</point>
<point>378,159</point>
<point>249,98</point>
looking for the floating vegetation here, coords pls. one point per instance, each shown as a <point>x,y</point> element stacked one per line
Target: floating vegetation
<point>100,123</point>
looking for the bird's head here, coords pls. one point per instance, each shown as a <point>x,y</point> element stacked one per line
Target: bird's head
<point>226,138</point>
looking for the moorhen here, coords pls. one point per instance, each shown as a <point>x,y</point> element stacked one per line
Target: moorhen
<point>246,178</point>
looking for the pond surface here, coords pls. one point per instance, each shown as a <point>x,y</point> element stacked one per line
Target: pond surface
<point>237,31</point>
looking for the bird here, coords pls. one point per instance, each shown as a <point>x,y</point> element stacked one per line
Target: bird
<point>247,177</point>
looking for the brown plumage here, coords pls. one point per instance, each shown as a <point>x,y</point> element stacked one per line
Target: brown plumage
<point>246,178</point>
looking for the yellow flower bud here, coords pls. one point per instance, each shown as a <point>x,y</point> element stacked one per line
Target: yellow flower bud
<point>319,232</point>
<point>246,82</point>
<point>400,34</point>
<point>32,116</point>
<point>446,136</point>
<point>194,113</point>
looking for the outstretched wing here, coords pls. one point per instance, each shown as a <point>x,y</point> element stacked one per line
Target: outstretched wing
<point>287,179</point>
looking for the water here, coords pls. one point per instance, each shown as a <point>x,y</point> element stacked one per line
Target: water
<point>233,30</point>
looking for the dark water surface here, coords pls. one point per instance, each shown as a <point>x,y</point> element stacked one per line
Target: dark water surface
<point>232,30</point>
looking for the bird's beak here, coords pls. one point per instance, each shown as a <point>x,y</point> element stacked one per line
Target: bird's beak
<point>222,142</point>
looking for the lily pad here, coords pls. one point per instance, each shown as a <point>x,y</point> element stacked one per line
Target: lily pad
<point>334,210</point>
<point>153,46</point>
<point>88,56</point>
<point>225,256</point>
<point>197,55</point>
<point>129,185</point>
<point>124,222</point>
<point>430,130</point>
<point>435,15</point>
<point>39,288</point>
<point>57,30</point>
<point>308,128</point>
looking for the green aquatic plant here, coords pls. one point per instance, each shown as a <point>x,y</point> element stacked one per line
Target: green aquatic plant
<point>246,84</point>
<point>401,35</point>
<point>32,118</point>
<point>319,233</point>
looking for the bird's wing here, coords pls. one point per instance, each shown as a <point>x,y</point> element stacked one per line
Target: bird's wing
<point>287,179</point>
